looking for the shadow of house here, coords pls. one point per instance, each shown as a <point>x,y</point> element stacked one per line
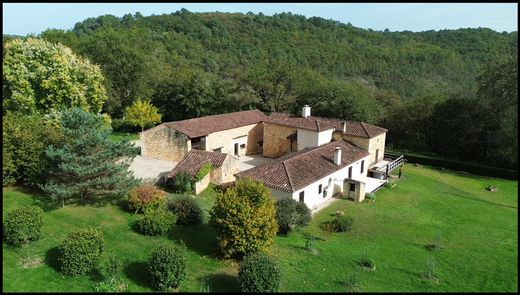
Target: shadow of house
<point>138,272</point>
<point>200,238</point>
<point>223,283</point>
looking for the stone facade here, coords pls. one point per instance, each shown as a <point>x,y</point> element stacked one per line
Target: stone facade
<point>368,144</point>
<point>226,172</point>
<point>226,139</point>
<point>164,143</point>
<point>276,143</point>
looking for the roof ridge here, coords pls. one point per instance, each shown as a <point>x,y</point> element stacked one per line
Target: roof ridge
<point>363,125</point>
<point>288,176</point>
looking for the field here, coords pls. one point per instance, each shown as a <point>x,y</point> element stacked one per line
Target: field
<point>477,230</point>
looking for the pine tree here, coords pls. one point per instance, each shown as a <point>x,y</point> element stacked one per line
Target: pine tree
<point>89,166</point>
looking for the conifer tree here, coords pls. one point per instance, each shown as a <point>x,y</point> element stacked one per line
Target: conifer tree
<point>89,166</point>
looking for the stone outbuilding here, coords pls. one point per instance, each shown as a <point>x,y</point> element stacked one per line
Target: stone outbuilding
<point>224,167</point>
<point>238,133</point>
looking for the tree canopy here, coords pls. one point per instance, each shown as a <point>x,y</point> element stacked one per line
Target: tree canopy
<point>39,76</point>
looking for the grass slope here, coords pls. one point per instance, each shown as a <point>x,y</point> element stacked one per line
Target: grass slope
<point>478,230</point>
<point>117,136</point>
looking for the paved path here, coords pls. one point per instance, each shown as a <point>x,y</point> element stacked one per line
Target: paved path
<point>150,169</point>
<point>250,161</point>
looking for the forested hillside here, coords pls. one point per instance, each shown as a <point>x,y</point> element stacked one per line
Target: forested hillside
<point>452,92</point>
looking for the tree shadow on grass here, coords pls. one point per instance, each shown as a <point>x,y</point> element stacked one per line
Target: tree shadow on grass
<point>200,238</point>
<point>51,258</point>
<point>223,283</point>
<point>138,272</point>
<point>480,200</point>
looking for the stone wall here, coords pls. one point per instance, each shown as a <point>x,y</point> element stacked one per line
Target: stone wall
<point>202,184</point>
<point>224,139</point>
<point>276,143</point>
<point>164,143</point>
<point>225,173</point>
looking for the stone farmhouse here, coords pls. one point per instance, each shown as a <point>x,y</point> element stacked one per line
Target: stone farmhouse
<point>316,158</point>
<point>238,134</point>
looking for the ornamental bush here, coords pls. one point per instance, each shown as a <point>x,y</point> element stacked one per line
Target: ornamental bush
<point>145,197</point>
<point>342,223</point>
<point>167,266</point>
<point>244,219</point>
<point>81,252</point>
<point>23,225</point>
<point>155,222</point>
<point>258,274</point>
<point>203,171</point>
<point>187,210</point>
<point>290,214</point>
<point>181,183</point>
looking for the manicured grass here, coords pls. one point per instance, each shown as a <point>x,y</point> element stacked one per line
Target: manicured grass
<point>116,136</point>
<point>478,231</point>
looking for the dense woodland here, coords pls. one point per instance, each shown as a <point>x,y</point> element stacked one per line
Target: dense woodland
<point>449,92</point>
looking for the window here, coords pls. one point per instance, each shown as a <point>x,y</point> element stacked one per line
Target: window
<point>362,166</point>
<point>350,172</point>
<point>302,193</point>
<point>377,155</point>
<point>243,146</point>
<point>219,150</point>
<point>352,187</point>
<point>320,188</point>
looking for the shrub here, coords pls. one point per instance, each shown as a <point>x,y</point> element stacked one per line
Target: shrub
<point>340,223</point>
<point>291,213</point>
<point>167,266</point>
<point>186,210</point>
<point>155,222</point>
<point>258,274</point>
<point>146,197</point>
<point>110,269</point>
<point>203,171</point>
<point>121,125</point>
<point>81,252</point>
<point>23,225</point>
<point>370,197</point>
<point>244,219</point>
<point>24,141</point>
<point>181,183</point>
<point>366,262</point>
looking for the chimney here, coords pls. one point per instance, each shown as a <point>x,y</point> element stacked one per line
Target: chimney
<point>337,156</point>
<point>344,126</point>
<point>306,111</point>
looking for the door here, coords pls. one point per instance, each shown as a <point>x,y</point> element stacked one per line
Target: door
<point>350,172</point>
<point>236,149</point>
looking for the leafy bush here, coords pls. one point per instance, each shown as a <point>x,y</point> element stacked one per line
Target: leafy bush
<point>121,125</point>
<point>167,266</point>
<point>187,210</point>
<point>23,225</point>
<point>203,171</point>
<point>24,141</point>
<point>340,223</point>
<point>155,222</point>
<point>146,197</point>
<point>244,219</point>
<point>110,269</point>
<point>370,197</point>
<point>81,252</point>
<point>291,213</point>
<point>258,274</point>
<point>181,183</point>
<point>111,286</point>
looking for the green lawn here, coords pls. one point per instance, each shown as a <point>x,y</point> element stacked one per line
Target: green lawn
<point>478,230</point>
<point>116,136</point>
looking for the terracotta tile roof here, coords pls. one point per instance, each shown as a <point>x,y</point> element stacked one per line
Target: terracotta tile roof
<point>195,159</point>
<point>297,170</point>
<point>308,123</point>
<point>359,129</point>
<point>203,126</point>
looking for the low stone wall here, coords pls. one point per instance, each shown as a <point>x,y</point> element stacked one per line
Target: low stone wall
<point>202,184</point>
